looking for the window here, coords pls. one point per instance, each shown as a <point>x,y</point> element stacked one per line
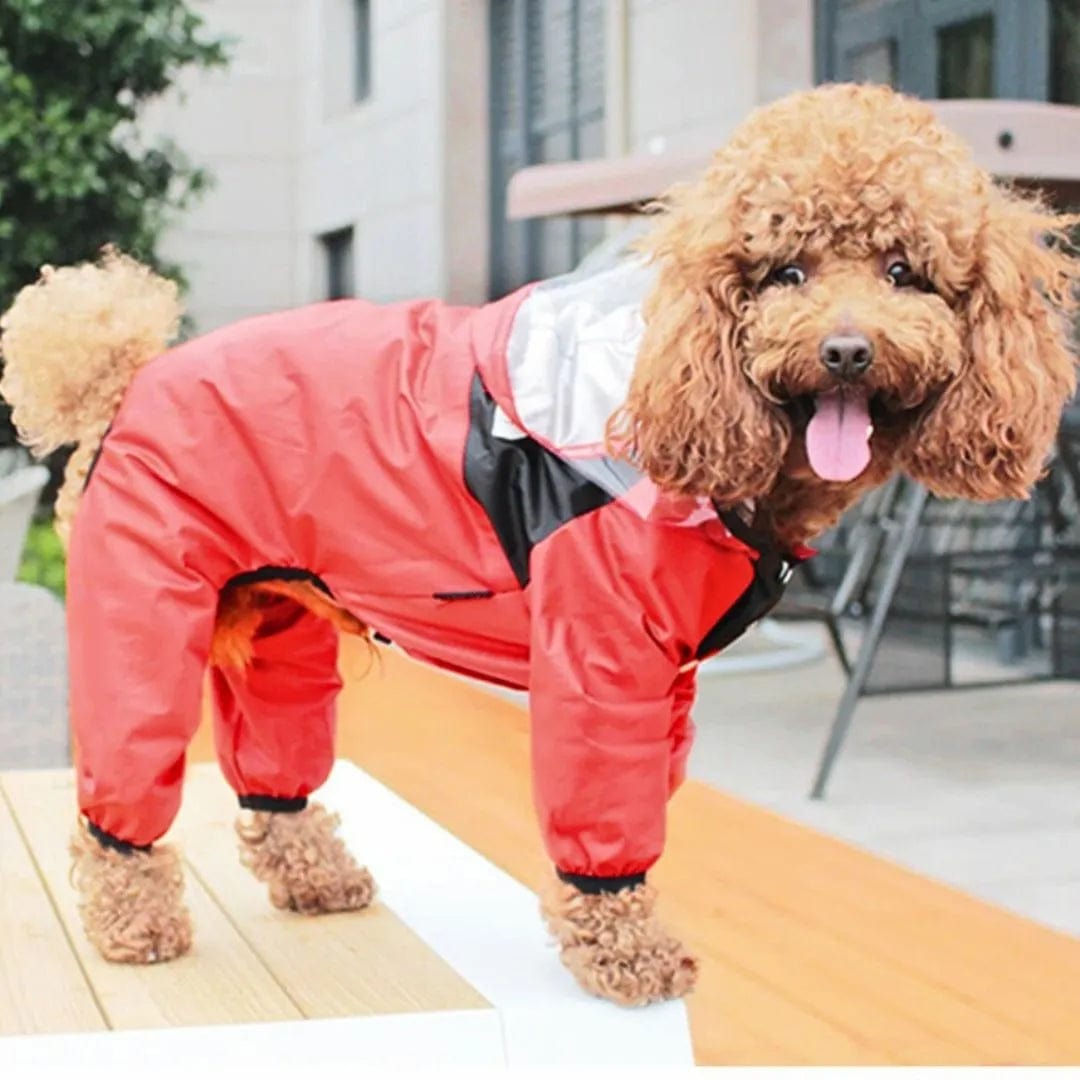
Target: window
<point>875,63</point>
<point>547,104</point>
<point>361,49</point>
<point>345,67</point>
<point>954,48</point>
<point>338,256</point>
<point>965,59</point>
<point>1065,51</point>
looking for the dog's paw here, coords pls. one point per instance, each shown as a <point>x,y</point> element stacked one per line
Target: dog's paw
<point>654,972</point>
<point>131,905</point>
<point>616,948</point>
<point>303,862</point>
<point>322,891</point>
<point>143,937</point>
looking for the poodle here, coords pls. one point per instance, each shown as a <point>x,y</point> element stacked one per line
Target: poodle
<point>582,489</point>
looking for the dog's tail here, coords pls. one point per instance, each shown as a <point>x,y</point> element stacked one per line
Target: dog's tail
<point>72,342</point>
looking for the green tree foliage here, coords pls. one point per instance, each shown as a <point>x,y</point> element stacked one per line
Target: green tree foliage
<point>74,172</point>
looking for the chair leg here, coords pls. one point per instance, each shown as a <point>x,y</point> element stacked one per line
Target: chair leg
<point>832,624</point>
<point>868,648</point>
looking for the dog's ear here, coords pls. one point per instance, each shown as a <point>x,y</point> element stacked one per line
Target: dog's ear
<point>990,434</point>
<point>692,421</point>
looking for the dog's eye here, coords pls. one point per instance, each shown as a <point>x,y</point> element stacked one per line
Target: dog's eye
<point>903,277</point>
<point>900,273</point>
<point>789,274</point>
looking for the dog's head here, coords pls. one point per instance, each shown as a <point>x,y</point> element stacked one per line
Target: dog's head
<point>845,294</point>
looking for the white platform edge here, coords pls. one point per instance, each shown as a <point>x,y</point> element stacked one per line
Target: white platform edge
<point>480,920</point>
<point>325,1049</point>
<point>487,926</point>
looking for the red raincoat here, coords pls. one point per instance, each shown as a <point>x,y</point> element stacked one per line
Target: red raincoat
<point>441,471</point>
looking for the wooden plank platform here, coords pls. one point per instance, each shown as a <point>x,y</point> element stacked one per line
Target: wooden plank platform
<point>35,950</point>
<point>360,964</point>
<point>250,963</point>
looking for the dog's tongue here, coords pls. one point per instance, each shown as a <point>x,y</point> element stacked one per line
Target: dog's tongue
<point>838,435</point>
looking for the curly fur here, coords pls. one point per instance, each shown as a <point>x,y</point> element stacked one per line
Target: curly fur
<point>969,379</point>
<point>131,906</point>
<point>999,417</point>
<point>303,861</point>
<point>70,351</point>
<point>614,945</point>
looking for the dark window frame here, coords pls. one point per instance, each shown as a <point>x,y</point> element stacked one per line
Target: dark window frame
<point>338,249</point>
<point>362,51</point>
<point>516,248</point>
<point>1021,61</point>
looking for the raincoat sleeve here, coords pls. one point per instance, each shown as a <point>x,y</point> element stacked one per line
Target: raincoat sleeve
<point>617,612</point>
<point>144,571</point>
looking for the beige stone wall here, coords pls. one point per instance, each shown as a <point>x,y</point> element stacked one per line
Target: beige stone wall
<point>464,125</point>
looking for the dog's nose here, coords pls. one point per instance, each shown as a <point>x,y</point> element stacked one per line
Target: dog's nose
<point>847,356</point>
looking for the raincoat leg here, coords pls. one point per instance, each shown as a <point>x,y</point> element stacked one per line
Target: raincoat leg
<point>144,567</point>
<point>275,719</point>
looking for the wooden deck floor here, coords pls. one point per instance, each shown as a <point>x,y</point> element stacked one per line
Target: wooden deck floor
<point>813,952</point>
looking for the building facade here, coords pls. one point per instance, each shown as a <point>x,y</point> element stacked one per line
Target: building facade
<point>363,147</point>
<point>328,138</point>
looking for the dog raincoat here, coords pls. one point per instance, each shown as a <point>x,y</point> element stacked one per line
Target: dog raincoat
<point>441,471</point>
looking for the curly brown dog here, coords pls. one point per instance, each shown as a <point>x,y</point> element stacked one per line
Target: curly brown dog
<point>843,295</point>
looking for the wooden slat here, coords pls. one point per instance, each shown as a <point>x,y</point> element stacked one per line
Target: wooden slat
<point>42,988</point>
<point>909,1015</point>
<point>921,947</point>
<point>350,964</point>
<point>814,952</point>
<point>905,1017</point>
<point>890,889</point>
<point>222,981</point>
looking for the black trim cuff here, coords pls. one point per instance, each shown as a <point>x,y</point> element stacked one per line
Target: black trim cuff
<point>272,804</point>
<point>113,843</point>
<point>278,573</point>
<point>593,886</point>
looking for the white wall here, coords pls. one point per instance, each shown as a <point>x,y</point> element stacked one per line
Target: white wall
<point>293,157</point>
<point>684,73</point>
<point>242,124</point>
<point>464,126</point>
<point>374,165</point>
<point>407,169</point>
<point>693,70</point>
<point>785,47</point>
